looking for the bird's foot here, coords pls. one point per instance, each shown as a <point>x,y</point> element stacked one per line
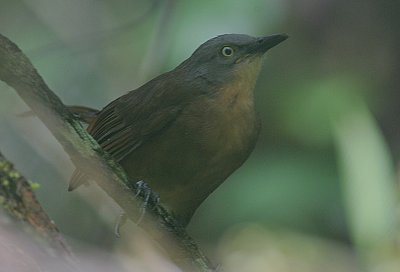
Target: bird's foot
<point>148,196</point>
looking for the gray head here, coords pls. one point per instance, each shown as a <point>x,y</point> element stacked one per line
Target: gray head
<point>223,57</point>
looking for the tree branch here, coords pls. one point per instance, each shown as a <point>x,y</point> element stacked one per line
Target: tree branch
<point>18,72</point>
<point>18,199</point>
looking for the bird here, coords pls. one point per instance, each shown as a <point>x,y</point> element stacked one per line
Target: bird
<point>185,131</point>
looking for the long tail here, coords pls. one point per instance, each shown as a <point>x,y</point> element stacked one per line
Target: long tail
<point>87,115</point>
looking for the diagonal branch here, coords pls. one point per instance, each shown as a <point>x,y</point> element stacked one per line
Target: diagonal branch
<point>18,72</point>
<point>18,199</point>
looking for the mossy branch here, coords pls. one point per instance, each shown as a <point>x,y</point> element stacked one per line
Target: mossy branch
<point>18,72</point>
<point>18,199</point>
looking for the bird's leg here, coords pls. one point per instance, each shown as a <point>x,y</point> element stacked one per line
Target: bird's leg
<point>149,197</point>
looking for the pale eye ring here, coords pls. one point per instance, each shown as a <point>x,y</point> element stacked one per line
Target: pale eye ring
<point>227,51</point>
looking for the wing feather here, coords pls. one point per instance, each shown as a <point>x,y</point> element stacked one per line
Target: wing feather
<point>129,121</point>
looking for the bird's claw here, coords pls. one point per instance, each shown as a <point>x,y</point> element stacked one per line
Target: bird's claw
<point>148,196</point>
<point>120,222</point>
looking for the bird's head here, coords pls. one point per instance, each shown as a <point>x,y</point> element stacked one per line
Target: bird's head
<point>229,57</point>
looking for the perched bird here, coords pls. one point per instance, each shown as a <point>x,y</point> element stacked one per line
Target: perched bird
<point>185,131</point>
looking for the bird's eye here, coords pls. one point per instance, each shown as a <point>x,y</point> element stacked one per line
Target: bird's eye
<point>227,51</point>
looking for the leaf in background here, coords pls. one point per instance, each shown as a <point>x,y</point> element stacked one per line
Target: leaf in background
<point>367,180</point>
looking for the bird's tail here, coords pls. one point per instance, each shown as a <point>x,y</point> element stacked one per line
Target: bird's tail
<point>78,178</point>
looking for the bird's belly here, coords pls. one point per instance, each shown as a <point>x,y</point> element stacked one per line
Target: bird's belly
<point>188,161</point>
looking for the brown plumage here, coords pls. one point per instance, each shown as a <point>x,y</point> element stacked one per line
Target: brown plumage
<point>187,130</point>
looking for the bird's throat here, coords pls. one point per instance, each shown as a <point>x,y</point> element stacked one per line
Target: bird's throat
<point>239,92</point>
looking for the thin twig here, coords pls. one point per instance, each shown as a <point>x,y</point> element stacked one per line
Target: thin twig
<point>157,47</point>
<point>99,37</point>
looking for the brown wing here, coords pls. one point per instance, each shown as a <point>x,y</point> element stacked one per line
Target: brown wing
<point>126,123</point>
<point>121,127</point>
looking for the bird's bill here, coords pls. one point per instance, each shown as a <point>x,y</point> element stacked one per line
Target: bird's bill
<point>263,44</point>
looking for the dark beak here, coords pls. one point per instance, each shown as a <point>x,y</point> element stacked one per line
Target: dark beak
<point>263,44</point>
